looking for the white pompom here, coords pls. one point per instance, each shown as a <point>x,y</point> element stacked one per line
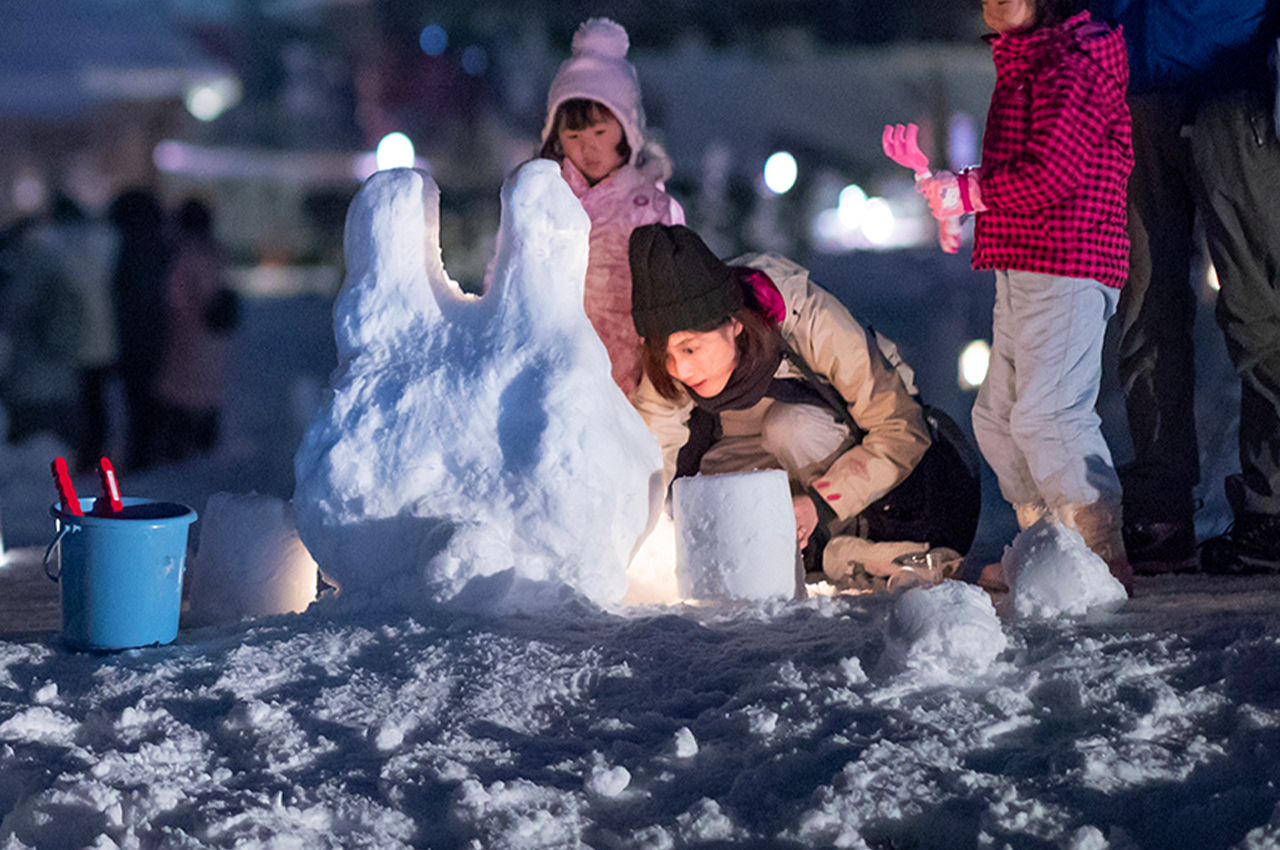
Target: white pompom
<point>601,37</point>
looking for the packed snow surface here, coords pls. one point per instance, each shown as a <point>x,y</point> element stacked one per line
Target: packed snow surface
<point>812,723</point>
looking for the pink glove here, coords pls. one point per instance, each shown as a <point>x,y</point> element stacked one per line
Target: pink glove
<point>951,195</point>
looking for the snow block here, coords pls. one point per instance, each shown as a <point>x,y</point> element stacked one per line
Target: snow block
<point>464,437</point>
<point>249,562</point>
<point>735,536</point>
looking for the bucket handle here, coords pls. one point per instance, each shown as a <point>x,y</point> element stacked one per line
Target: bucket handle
<point>62,532</point>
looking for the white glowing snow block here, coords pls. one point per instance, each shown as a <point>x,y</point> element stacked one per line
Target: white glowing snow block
<point>652,572</point>
<point>250,562</point>
<point>1052,573</point>
<point>735,536</point>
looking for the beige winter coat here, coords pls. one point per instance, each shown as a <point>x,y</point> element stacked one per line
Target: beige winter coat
<point>838,349</point>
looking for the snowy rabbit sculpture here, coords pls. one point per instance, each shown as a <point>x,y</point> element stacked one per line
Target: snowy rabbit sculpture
<point>466,437</point>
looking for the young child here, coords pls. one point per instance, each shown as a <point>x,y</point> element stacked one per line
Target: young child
<point>595,130</point>
<point>1050,204</point>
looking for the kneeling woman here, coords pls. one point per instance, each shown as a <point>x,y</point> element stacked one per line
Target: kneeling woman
<point>753,366</point>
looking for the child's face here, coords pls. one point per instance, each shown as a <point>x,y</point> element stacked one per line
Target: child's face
<point>593,150</point>
<point>1002,15</point>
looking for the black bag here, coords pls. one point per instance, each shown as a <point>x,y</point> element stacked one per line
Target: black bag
<point>939,501</point>
<point>222,311</point>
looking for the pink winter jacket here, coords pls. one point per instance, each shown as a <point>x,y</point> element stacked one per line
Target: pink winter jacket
<point>1056,154</point>
<point>617,205</point>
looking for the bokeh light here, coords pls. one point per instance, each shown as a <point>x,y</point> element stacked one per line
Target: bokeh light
<point>852,206</point>
<point>780,172</point>
<point>433,40</point>
<point>395,151</point>
<point>878,221</point>
<point>973,363</point>
<point>208,100</point>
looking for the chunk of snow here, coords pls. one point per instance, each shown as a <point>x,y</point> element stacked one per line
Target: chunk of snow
<point>735,536</point>
<point>465,437</point>
<point>686,744</point>
<point>1052,573</point>
<point>249,562</point>
<point>945,632</point>
<point>607,781</point>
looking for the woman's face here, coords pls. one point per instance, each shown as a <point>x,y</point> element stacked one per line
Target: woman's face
<point>1002,15</point>
<point>704,360</point>
<point>593,150</point>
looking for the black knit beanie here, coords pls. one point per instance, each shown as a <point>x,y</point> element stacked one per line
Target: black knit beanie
<point>677,283</point>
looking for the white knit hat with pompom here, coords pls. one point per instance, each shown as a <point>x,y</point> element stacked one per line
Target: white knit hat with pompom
<point>598,70</point>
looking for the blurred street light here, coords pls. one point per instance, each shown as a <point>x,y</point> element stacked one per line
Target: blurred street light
<point>395,151</point>
<point>209,99</point>
<point>780,172</point>
<point>974,360</point>
<point>878,221</point>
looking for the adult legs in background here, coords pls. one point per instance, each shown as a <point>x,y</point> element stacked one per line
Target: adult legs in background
<point>144,429</point>
<point>1156,353</point>
<point>93,417</point>
<point>1237,157</point>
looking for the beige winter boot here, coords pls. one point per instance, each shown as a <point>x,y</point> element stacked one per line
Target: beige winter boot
<point>1028,514</point>
<point>1100,525</point>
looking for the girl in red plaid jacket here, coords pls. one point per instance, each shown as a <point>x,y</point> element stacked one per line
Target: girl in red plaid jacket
<point>1049,200</point>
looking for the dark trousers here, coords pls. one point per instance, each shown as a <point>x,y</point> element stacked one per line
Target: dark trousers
<point>1237,157</point>
<point>1228,169</point>
<point>1156,313</point>
<point>92,442</point>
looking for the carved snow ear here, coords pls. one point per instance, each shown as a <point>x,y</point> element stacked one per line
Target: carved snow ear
<point>543,240</point>
<point>395,275</point>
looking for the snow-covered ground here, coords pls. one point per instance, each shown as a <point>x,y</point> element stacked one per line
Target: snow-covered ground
<point>764,725</point>
<point>871,721</point>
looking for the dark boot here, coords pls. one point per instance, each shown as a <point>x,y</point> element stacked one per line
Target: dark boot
<point>1156,547</point>
<point>1250,546</point>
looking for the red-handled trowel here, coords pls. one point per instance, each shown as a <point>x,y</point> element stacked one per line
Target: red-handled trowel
<point>66,491</point>
<point>109,502</point>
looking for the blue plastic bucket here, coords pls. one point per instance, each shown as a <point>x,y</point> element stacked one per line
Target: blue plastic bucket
<point>121,575</point>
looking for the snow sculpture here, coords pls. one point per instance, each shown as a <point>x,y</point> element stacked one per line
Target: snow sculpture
<point>735,536</point>
<point>1051,573</point>
<point>470,436</point>
<point>250,562</point>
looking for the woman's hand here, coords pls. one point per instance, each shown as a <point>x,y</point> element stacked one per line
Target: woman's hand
<point>806,519</point>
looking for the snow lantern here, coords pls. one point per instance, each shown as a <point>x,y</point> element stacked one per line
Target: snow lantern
<point>735,536</point>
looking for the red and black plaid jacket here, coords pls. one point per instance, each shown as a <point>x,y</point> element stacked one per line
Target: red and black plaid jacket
<point>1056,154</point>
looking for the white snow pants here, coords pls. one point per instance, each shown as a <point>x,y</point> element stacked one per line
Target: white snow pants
<point>1034,417</point>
